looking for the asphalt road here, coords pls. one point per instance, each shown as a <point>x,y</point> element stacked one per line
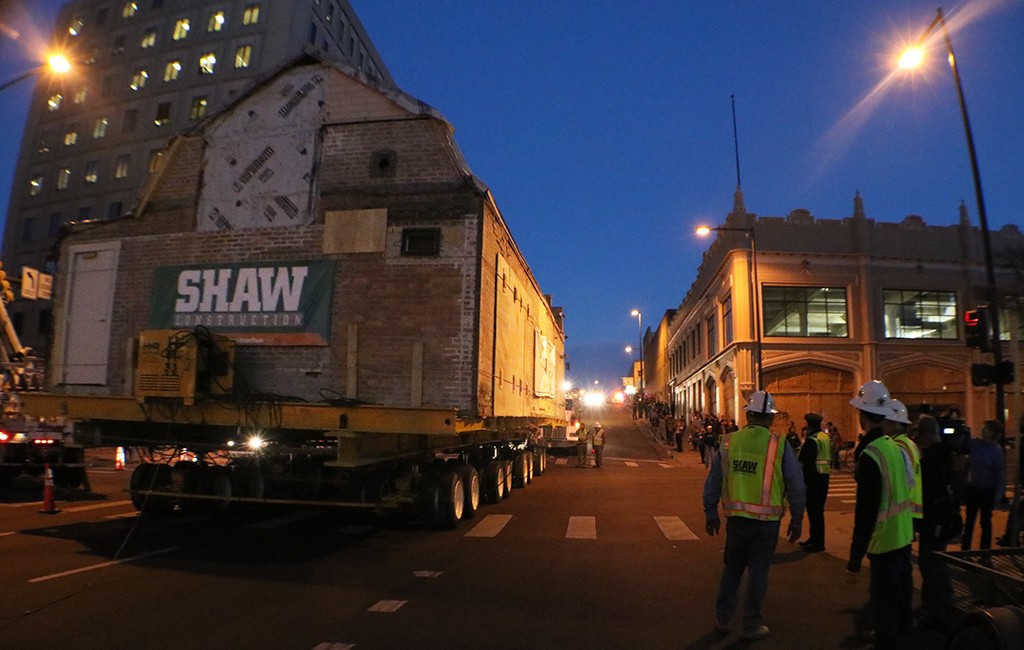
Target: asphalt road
<point>609,558</point>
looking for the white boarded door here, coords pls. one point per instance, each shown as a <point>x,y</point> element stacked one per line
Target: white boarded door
<point>89,308</point>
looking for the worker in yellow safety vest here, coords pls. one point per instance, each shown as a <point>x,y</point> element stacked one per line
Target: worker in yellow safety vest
<point>754,472</point>
<point>895,426</point>
<point>597,440</point>
<point>816,461</point>
<point>582,437</point>
<point>883,518</point>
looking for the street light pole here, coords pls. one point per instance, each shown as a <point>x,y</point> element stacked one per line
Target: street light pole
<point>990,273</point>
<point>640,332</point>
<point>755,301</point>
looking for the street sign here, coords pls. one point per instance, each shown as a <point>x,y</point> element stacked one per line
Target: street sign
<point>29,283</point>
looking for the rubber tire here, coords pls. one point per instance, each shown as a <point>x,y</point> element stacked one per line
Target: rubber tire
<point>519,478</point>
<point>151,476</point>
<point>248,480</point>
<point>508,477</point>
<point>539,461</point>
<point>220,484</point>
<point>494,482</point>
<point>450,502</point>
<point>528,466</point>
<point>471,488</point>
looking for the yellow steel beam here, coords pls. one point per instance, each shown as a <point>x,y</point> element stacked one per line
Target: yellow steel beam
<point>246,414</point>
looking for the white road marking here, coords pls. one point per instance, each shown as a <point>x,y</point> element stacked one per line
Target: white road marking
<point>97,506</point>
<point>561,461</point>
<point>490,526</point>
<point>8,534</point>
<point>20,505</point>
<point>427,574</point>
<point>665,465</point>
<point>101,565</point>
<point>674,528</point>
<point>285,520</point>
<point>630,463</point>
<point>581,528</point>
<point>387,606</point>
<point>846,501</point>
<point>123,515</point>
<point>327,645</point>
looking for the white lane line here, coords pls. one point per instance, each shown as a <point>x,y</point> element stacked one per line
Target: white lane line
<point>427,574</point>
<point>123,515</point>
<point>581,528</point>
<point>20,505</point>
<point>847,501</point>
<point>665,465</point>
<point>8,534</point>
<point>97,506</point>
<point>327,645</point>
<point>490,526</point>
<point>387,606</point>
<point>101,565</point>
<point>561,461</point>
<point>630,463</point>
<point>285,520</point>
<point>674,528</point>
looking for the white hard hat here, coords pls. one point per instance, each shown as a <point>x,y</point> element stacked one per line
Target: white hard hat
<point>761,402</point>
<point>873,397</point>
<point>898,412</point>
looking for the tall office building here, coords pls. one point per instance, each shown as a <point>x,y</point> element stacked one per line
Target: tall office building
<point>144,71</point>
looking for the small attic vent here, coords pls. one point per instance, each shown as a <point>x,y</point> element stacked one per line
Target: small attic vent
<point>383,164</point>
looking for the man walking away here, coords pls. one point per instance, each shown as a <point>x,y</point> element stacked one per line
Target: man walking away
<point>986,482</point>
<point>883,526</point>
<point>940,522</point>
<point>754,472</point>
<point>816,462</point>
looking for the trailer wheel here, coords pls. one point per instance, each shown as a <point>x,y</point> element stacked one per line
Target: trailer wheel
<point>539,461</point>
<point>509,480</point>
<point>494,481</point>
<point>451,502</point>
<point>997,628</point>
<point>151,476</point>
<point>528,466</point>
<point>471,487</point>
<point>519,479</point>
<point>220,486</point>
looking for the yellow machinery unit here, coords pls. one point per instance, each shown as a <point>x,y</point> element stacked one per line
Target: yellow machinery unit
<point>182,364</point>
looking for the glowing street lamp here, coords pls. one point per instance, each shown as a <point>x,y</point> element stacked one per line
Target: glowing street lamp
<point>57,63</point>
<point>755,309</point>
<point>640,329</point>
<point>909,59</point>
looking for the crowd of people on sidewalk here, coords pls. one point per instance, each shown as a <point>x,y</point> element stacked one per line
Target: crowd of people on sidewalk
<point>906,490</point>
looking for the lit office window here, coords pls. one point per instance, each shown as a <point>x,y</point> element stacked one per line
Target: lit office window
<point>148,38</point>
<point>75,27</point>
<point>92,172</point>
<point>63,178</point>
<point>163,114</point>
<point>199,105</point>
<point>242,56</point>
<point>805,311</point>
<point>911,314</point>
<point>35,185</point>
<point>71,136</point>
<point>54,102</point>
<point>80,95</point>
<point>181,29</point>
<point>99,129</point>
<point>156,157</point>
<point>172,70</point>
<point>139,79</point>
<point>129,9</point>
<point>251,14</point>
<point>207,63</point>
<point>216,22</point>
<point>121,166</point>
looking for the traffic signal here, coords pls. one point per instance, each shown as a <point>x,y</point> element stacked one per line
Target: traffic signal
<point>986,374</point>
<point>978,330</point>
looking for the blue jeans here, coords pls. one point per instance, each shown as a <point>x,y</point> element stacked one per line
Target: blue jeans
<point>749,545</point>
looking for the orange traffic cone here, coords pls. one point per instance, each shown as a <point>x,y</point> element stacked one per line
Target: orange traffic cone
<point>49,507</point>
<point>119,458</point>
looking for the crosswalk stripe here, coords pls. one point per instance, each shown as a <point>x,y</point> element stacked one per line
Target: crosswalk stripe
<point>849,501</point>
<point>630,463</point>
<point>387,606</point>
<point>581,528</point>
<point>490,526</point>
<point>674,528</point>
<point>665,465</point>
<point>561,461</point>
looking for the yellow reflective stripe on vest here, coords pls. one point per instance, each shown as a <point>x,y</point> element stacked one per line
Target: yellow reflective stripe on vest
<point>769,470</point>
<point>912,455</point>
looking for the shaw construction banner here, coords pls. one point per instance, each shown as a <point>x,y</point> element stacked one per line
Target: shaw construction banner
<point>265,303</point>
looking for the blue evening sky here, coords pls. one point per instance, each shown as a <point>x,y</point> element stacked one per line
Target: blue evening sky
<point>604,128</point>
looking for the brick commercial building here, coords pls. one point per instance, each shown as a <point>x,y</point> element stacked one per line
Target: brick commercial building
<point>142,72</point>
<point>334,231</point>
<point>838,302</point>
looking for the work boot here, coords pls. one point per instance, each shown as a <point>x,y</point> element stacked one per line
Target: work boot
<point>759,632</point>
